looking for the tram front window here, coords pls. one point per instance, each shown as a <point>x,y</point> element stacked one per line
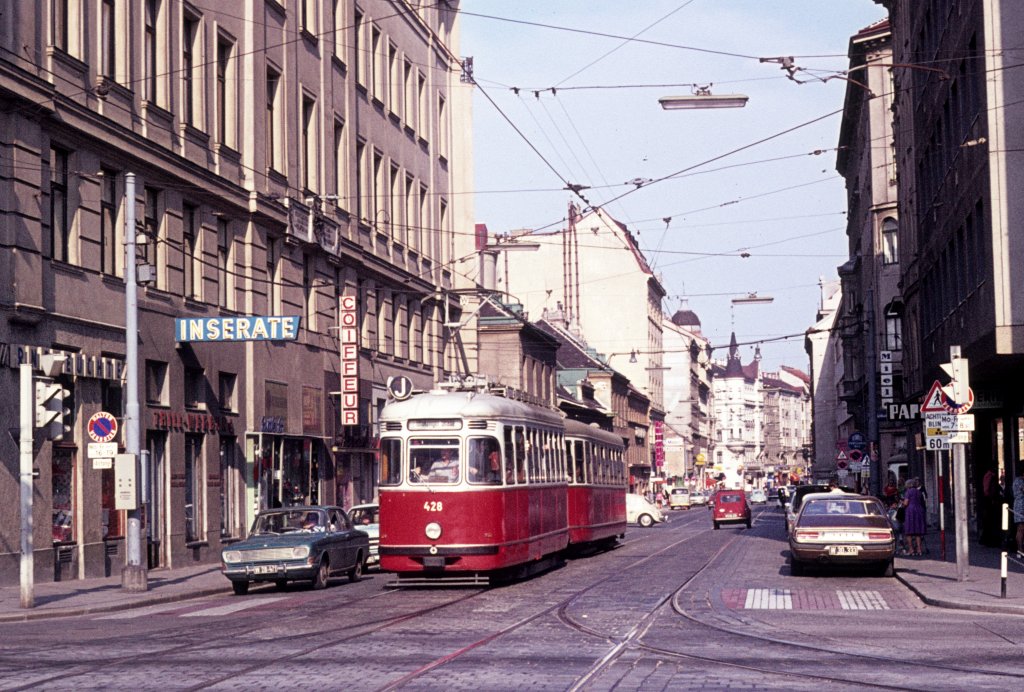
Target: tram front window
<point>484,461</point>
<point>438,463</point>
<point>390,461</point>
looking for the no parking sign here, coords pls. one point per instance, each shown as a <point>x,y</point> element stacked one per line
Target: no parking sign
<point>102,427</point>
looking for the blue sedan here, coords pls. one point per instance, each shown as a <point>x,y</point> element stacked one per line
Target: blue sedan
<point>296,544</point>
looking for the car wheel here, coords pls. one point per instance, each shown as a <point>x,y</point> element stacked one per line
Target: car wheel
<point>716,525</point>
<point>280,584</point>
<point>322,574</point>
<point>796,568</point>
<point>240,587</point>
<point>887,569</point>
<point>748,523</point>
<point>356,573</point>
<point>646,520</point>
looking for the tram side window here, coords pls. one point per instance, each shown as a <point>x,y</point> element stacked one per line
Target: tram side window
<point>390,461</point>
<point>532,456</point>
<point>484,460</point>
<point>576,455</point>
<point>546,462</point>
<point>519,453</point>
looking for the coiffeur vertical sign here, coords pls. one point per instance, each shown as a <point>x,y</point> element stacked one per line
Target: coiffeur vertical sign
<point>348,318</point>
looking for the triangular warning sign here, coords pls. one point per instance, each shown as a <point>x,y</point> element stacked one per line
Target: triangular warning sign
<point>933,402</point>
<point>841,456</point>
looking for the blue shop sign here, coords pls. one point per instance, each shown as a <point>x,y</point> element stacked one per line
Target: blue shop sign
<point>253,328</point>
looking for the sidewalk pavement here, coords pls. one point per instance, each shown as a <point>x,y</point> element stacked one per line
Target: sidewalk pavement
<point>936,581</point>
<point>933,579</point>
<point>104,594</point>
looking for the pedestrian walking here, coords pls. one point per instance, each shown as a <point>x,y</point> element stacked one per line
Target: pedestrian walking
<point>1018,509</point>
<point>914,517</point>
<point>989,509</point>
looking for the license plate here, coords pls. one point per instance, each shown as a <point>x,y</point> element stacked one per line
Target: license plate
<point>844,550</point>
<point>265,569</point>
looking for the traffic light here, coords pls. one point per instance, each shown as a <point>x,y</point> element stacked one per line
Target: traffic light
<point>50,408</point>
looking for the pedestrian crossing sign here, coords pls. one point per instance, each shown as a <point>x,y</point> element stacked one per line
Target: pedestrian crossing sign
<point>933,401</point>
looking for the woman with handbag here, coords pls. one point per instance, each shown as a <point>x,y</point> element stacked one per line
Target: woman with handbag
<point>914,517</point>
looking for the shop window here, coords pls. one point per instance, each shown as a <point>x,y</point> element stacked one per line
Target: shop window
<point>195,505</point>
<point>63,493</point>
<point>230,487</point>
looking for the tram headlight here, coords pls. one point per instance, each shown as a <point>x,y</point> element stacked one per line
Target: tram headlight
<point>433,530</point>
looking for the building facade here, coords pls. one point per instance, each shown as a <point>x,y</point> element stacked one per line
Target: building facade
<point>871,314</point>
<point>689,422</point>
<point>960,157</point>
<point>284,161</point>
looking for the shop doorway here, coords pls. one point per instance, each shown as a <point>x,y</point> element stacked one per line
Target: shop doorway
<point>287,471</point>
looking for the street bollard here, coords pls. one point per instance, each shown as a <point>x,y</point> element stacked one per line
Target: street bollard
<point>1002,560</point>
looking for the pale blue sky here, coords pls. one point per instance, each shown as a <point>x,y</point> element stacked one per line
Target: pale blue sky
<point>778,200</point>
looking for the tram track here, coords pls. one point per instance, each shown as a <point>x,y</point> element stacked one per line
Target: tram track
<point>771,648</point>
<point>327,637</point>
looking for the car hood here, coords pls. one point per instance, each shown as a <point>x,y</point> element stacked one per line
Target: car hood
<point>271,541</point>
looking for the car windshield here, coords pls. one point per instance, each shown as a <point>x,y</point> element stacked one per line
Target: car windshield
<point>288,521</point>
<point>362,516</point>
<point>845,507</point>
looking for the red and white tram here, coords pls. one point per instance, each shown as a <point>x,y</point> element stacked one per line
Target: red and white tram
<point>476,485</point>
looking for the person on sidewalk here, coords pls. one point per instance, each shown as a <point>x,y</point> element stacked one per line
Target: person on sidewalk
<point>914,517</point>
<point>989,510</point>
<point>1018,509</point>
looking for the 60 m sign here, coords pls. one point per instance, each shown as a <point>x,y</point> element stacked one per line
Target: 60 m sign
<point>937,444</point>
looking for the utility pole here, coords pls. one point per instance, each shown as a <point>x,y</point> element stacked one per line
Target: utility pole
<point>133,575</point>
<point>25,472</point>
<point>961,394</point>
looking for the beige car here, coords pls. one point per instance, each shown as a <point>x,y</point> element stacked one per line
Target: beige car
<point>679,498</point>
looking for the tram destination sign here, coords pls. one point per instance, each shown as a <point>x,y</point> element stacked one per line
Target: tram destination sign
<point>242,328</point>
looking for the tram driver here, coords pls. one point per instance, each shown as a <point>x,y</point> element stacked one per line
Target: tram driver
<point>446,468</point>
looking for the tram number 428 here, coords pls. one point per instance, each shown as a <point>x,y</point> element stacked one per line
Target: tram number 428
<point>433,506</point>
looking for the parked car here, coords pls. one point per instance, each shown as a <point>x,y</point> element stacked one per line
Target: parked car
<point>796,498</point>
<point>367,518</point>
<point>699,498</point>
<point>639,510</point>
<point>842,529</point>
<point>757,497</point>
<point>679,498</point>
<point>296,543</point>
<point>730,507</point>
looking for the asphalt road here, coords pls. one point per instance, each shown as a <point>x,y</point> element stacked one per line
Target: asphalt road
<point>676,606</point>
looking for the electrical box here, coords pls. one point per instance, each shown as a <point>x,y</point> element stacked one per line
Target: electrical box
<point>125,482</point>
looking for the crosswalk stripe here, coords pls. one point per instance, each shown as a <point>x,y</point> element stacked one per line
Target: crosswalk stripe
<point>769,599</point>
<point>142,612</point>
<point>862,600</point>
<point>242,604</point>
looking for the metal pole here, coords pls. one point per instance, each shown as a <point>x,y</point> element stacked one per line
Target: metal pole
<point>27,421</point>
<point>961,386</point>
<point>133,576</point>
